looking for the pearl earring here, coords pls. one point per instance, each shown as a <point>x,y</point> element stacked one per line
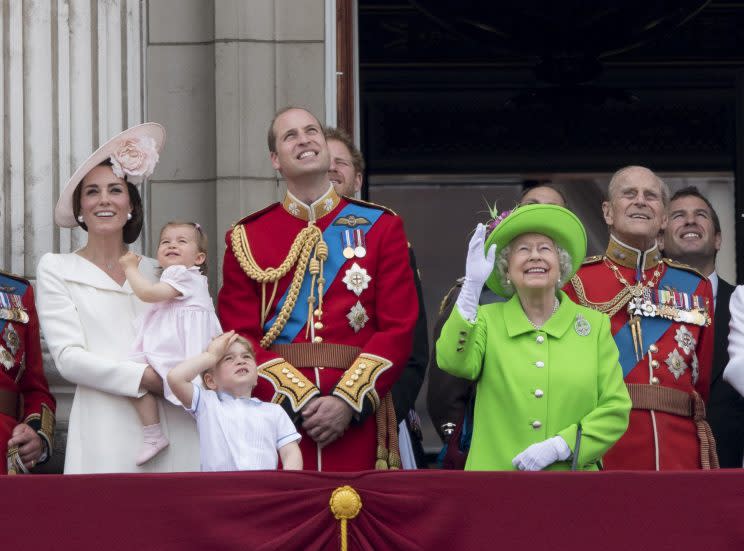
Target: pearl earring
<point>508,281</point>
<point>129,216</point>
<point>80,218</point>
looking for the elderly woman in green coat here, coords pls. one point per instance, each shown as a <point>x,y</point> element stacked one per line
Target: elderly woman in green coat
<point>550,391</point>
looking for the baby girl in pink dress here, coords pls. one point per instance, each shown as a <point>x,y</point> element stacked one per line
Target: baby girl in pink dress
<point>179,325</point>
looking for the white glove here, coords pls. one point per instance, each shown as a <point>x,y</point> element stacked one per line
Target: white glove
<point>478,267</point>
<point>538,456</point>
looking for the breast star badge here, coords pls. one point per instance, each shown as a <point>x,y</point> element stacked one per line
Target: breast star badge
<point>676,364</point>
<point>357,317</point>
<point>356,279</point>
<point>685,340</point>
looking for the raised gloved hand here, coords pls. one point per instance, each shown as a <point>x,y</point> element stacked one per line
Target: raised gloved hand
<point>478,267</point>
<point>538,456</point>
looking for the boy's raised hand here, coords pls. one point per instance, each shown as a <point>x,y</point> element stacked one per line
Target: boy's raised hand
<point>220,344</point>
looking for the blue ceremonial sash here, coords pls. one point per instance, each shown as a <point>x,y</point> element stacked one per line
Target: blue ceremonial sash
<point>653,328</point>
<point>332,236</point>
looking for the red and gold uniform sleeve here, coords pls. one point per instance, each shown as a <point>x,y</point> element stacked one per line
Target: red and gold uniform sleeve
<point>704,348</point>
<point>385,353</point>
<point>38,402</point>
<point>239,309</point>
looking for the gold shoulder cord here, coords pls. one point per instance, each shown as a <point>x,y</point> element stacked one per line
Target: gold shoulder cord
<point>308,242</point>
<point>611,307</point>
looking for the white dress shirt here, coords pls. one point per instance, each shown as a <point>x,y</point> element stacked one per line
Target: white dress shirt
<point>713,278</point>
<point>239,434</point>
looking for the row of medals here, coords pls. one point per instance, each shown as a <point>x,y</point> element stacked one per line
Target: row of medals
<point>353,244</point>
<point>11,307</point>
<point>643,304</point>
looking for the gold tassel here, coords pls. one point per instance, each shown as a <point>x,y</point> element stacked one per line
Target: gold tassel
<point>345,505</point>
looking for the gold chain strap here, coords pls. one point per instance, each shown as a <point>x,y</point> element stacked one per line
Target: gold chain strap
<point>242,250</point>
<point>611,307</point>
<point>615,304</point>
<point>299,253</point>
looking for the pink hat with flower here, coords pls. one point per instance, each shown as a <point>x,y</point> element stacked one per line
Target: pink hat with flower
<point>133,154</point>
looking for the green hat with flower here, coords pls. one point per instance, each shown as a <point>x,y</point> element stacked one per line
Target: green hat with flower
<point>558,223</point>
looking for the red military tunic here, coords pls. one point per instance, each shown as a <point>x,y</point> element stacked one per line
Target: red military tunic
<point>22,379</point>
<point>677,356</point>
<point>369,305</point>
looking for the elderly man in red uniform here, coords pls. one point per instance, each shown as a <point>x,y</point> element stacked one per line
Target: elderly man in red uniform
<point>26,406</point>
<point>322,285</point>
<point>661,315</point>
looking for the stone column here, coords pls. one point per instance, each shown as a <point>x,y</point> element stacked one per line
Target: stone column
<point>268,53</point>
<point>72,74</point>
<point>181,96</point>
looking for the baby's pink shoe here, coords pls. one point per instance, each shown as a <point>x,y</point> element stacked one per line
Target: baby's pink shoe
<point>153,443</point>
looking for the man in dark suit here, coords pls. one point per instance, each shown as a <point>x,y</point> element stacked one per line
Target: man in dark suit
<point>693,236</point>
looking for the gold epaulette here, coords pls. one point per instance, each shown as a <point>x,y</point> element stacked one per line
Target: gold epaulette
<point>592,259</point>
<point>456,287</point>
<point>682,266</point>
<point>369,204</point>
<point>255,214</point>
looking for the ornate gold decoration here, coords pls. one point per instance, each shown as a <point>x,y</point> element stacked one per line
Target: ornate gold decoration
<point>289,382</point>
<point>360,378</point>
<point>309,242</point>
<point>351,221</point>
<point>345,505</point>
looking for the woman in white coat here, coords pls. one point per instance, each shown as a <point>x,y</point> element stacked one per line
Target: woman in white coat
<point>87,311</point>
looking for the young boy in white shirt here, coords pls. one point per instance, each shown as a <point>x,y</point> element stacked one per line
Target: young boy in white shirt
<point>236,432</point>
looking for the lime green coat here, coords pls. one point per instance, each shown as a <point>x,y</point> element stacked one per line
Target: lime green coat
<point>532,385</point>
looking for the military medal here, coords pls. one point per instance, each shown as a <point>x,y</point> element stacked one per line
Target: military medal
<point>11,338</point>
<point>359,250</point>
<point>581,326</point>
<point>6,312</point>
<point>356,279</point>
<point>348,250</point>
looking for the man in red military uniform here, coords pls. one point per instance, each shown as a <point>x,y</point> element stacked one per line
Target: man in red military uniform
<point>323,287</point>
<point>661,316</point>
<point>24,394</point>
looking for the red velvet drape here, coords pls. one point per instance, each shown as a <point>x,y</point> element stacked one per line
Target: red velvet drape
<point>401,511</point>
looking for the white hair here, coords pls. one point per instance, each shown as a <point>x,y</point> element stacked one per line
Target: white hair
<point>565,267</point>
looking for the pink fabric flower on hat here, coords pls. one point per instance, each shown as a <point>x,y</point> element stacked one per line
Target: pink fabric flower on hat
<point>135,158</point>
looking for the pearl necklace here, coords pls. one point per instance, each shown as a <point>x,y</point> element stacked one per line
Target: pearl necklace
<point>538,327</point>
